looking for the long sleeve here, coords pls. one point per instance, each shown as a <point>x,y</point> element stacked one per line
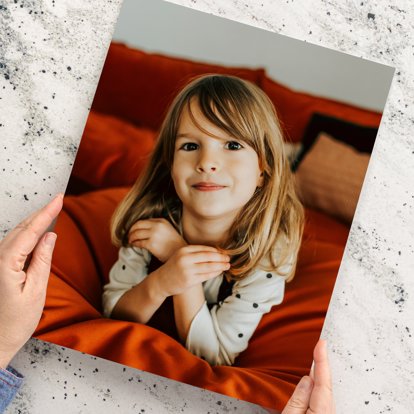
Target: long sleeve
<point>129,270</point>
<point>10,382</point>
<point>221,333</point>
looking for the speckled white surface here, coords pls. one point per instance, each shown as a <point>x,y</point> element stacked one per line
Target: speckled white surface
<point>371,318</point>
<point>61,379</point>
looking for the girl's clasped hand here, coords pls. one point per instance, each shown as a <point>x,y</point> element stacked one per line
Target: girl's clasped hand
<point>185,265</point>
<point>156,235</point>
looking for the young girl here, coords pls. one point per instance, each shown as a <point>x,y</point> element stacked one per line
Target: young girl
<point>217,207</point>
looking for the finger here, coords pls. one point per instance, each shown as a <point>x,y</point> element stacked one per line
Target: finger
<point>142,244</point>
<point>39,268</point>
<point>321,398</point>
<point>141,234</point>
<point>203,268</point>
<point>299,401</point>
<point>141,225</point>
<point>205,257</point>
<point>193,248</point>
<point>322,373</point>
<point>22,240</point>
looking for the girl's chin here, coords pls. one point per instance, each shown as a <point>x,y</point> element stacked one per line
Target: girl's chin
<point>213,214</point>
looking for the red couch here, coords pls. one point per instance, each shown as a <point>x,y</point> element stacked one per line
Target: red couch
<point>131,99</point>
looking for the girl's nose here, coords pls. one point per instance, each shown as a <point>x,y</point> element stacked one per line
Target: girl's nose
<point>207,162</point>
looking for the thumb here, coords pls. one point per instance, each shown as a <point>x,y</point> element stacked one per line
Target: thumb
<point>39,267</point>
<point>299,401</point>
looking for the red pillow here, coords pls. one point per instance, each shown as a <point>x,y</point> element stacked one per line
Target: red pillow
<point>296,108</point>
<point>139,86</point>
<point>112,152</point>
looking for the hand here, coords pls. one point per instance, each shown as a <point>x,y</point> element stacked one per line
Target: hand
<point>23,291</point>
<point>156,235</point>
<point>189,266</point>
<point>313,394</point>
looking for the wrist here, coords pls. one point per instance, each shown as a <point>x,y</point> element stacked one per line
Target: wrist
<point>5,361</point>
<point>155,288</point>
<point>195,291</point>
<point>177,246</point>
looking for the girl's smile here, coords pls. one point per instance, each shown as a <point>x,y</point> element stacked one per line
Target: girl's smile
<point>208,186</point>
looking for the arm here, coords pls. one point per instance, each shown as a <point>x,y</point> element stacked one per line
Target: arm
<point>130,290</point>
<point>140,302</point>
<point>219,335</point>
<point>132,294</point>
<point>186,307</point>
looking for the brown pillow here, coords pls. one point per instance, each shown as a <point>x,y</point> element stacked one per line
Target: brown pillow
<point>330,177</point>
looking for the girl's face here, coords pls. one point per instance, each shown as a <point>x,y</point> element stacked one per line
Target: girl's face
<point>214,177</point>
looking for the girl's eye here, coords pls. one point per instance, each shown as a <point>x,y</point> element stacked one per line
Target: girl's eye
<point>189,146</point>
<point>234,145</point>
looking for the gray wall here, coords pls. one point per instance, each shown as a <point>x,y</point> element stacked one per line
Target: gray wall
<point>158,26</point>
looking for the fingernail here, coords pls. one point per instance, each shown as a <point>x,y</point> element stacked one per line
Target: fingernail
<point>305,384</point>
<point>50,239</point>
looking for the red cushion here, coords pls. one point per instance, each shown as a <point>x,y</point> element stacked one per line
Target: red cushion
<point>112,152</point>
<point>296,108</point>
<point>139,86</point>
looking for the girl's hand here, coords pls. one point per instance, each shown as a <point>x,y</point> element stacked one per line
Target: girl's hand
<point>156,235</point>
<point>189,266</point>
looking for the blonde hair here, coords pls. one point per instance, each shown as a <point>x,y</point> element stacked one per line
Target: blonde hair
<point>268,230</point>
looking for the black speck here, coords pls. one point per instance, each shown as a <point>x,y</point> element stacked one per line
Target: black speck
<point>255,305</point>
<point>238,295</point>
<point>269,275</point>
<point>25,197</point>
<point>240,335</point>
<point>123,267</point>
<point>371,16</point>
<point>69,68</point>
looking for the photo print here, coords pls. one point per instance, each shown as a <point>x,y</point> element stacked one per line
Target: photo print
<point>252,334</point>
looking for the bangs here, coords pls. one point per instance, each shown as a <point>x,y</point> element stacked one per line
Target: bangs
<point>228,104</point>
